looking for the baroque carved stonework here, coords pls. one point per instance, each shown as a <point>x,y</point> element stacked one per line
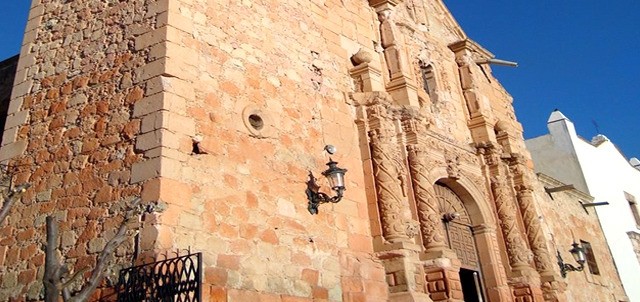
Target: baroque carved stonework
<point>519,255</point>
<point>390,171</point>
<point>533,228</point>
<point>428,215</point>
<point>388,185</point>
<point>453,164</point>
<point>541,256</point>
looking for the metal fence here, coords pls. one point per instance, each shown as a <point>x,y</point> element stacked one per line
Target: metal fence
<point>177,279</point>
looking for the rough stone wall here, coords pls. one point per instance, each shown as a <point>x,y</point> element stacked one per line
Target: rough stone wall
<point>70,133</point>
<point>567,221</point>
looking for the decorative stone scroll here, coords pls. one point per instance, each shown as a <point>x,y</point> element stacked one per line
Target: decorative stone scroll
<point>428,214</point>
<point>518,253</point>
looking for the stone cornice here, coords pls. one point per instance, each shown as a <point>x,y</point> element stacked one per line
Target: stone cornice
<point>382,3</point>
<point>468,44</point>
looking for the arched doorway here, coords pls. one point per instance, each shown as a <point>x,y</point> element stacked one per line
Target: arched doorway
<point>459,237</point>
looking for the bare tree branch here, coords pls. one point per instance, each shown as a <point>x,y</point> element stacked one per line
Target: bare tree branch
<point>52,268</point>
<point>103,260</point>
<point>12,197</point>
<point>55,273</point>
<point>73,278</point>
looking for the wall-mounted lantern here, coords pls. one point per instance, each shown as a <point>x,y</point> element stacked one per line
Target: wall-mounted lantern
<point>335,176</point>
<point>578,254</point>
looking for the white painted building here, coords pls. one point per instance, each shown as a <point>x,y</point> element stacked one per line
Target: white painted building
<point>598,168</point>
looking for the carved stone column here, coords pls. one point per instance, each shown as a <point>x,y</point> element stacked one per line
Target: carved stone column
<point>389,174</point>
<point>552,285</point>
<point>428,214</point>
<point>517,251</point>
<point>388,186</point>
<point>523,279</point>
<point>541,256</point>
<point>397,251</point>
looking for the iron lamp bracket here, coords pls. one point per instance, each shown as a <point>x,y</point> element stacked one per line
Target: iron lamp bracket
<point>316,198</point>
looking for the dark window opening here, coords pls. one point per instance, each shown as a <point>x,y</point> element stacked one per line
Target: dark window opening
<point>591,258</point>
<point>429,81</point>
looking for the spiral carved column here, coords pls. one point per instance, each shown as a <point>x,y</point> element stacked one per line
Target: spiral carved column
<point>388,185</point>
<point>533,228</point>
<point>517,251</point>
<point>428,215</point>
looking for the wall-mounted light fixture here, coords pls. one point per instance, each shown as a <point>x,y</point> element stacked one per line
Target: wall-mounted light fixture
<point>578,254</point>
<point>335,176</point>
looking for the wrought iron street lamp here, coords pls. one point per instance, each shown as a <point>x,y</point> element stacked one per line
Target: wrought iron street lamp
<point>335,176</point>
<point>578,254</point>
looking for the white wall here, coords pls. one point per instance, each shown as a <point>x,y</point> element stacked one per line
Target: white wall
<point>603,172</point>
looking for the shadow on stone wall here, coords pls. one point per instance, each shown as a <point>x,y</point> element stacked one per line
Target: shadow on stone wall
<point>7,74</point>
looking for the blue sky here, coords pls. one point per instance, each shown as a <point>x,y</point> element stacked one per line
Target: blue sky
<point>580,56</point>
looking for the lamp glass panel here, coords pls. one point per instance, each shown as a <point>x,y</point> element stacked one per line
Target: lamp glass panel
<point>578,255</point>
<point>336,179</point>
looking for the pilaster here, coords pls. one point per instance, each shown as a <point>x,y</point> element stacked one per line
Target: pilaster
<point>401,84</point>
<point>480,114</point>
<point>497,288</point>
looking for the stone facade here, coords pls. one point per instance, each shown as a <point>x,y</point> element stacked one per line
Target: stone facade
<point>218,111</point>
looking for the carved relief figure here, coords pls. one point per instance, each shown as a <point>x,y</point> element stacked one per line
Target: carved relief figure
<point>453,165</point>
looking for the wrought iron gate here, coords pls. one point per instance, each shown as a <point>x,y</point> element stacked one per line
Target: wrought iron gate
<point>176,279</point>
